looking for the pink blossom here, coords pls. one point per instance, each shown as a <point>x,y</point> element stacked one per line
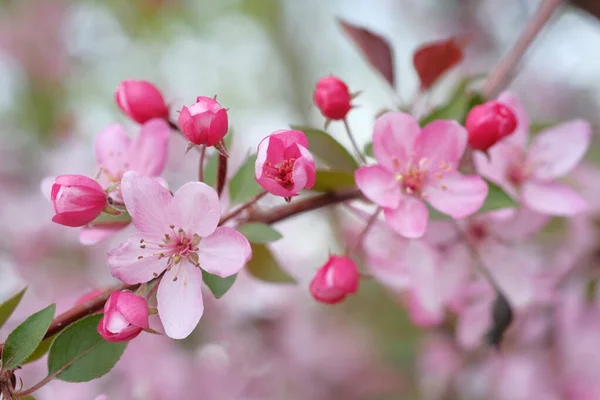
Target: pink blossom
<point>417,164</point>
<point>489,123</point>
<point>77,200</point>
<point>332,97</point>
<point>204,122</point>
<point>141,101</point>
<point>284,166</point>
<point>178,236</point>
<point>335,280</point>
<point>530,173</point>
<point>125,316</point>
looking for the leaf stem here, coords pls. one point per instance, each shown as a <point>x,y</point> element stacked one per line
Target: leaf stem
<point>359,153</point>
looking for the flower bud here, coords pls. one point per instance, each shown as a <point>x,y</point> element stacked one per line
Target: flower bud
<point>77,200</point>
<point>335,280</point>
<point>332,97</point>
<point>141,101</point>
<point>205,122</point>
<point>125,316</point>
<point>489,123</point>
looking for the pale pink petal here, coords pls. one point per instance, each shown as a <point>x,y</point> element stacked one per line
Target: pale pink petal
<point>299,176</point>
<point>224,252</point>
<point>147,202</point>
<point>261,156</point>
<point>133,264</point>
<point>378,185</point>
<point>94,234</point>
<point>519,225</point>
<point>394,136</point>
<point>473,323</point>
<point>552,198</point>
<point>496,165</point>
<point>409,219</point>
<point>557,150</point>
<point>46,186</point>
<point>289,137</point>
<point>520,136</point>
<point>441,143</point>
<point>112,149</point>
<point>457,195</point>
<point>308,164</point>
<point>179,297</point>
<point>148,152</point>
<point>195,208</point>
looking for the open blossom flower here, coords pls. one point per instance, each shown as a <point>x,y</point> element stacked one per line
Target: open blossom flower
<point>141,101</point>
<point>417,165</point>
<point>284,166</point>
<point>530,172</point>
<point>178,236</point>
<point>77,200</point>
<point>335,280</point>
<point>205,122</point>
<point>125,317</point>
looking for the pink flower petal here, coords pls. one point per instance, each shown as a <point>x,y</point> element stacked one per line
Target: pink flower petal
<point>195,208</point>
<point>409,219</point>
<point>308,163</point>
<point>394,136</point>
<point>112,150</point>
<point>134,309</point>
<point>94,234</point>
<point>457,195</point>
<point>180,304</point>
<point>289,137</point>
<point>378,185</point>
<point>441,142</point>
<point>495,166</point>
<point>147,202</point>
<point>521,134</point>
<point>473,323</point>
<point>556,151</point>
<point>552,198</point>
<point>125,262</point>
<point>224,253</point>
<point>148,152</point>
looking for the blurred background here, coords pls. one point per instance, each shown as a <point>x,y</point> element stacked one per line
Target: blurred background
<point>60,63</point>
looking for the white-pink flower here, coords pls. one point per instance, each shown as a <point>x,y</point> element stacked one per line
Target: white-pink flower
<point>178,236</point>
<point>417,164</point>
<point>530,172</point>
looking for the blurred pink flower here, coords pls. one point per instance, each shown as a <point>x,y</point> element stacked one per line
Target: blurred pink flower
<point>205,122</point>
<point>284,166</point>
<point>178,234</point>
<point>141,101</point>
<point>530,173</point>
<point>417,164</point>
<point>77,200</point>
<point>335,280</point>
<point>125,316</point>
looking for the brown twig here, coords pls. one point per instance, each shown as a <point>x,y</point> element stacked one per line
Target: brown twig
<point>221,174</point>
<point>502,74</point>
<point>242,207</point>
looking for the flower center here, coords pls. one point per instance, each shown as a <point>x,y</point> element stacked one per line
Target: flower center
<point>477,231</point>
<point>414,176</point>
<point>282,172</point>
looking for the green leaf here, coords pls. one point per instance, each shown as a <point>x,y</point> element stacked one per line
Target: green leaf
<point>210,170</point>
<point>368,150</point>
<point>265,267</point>
<point>436,215</point>
<point>327,149</point>
<point>497,198</point>
<point>41,350</point>
<point>26,337</point>
<point>7,308</point>
<point>27,398</point>
<point>217,285</point>
<point>457,107</point>
<point>243,187</point>
<point>259,233</point>
<point>328,181</point>
<point>79,354</point>
<point>112,219</point>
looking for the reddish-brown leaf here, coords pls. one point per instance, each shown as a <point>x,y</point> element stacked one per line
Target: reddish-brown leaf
<point>434,59</point>
<point>374,47</point>
<point>591,6</point>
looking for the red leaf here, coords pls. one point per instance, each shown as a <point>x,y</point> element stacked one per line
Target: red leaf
<point>591,6</point>
<point>374,47</point>
<point>434,59</point>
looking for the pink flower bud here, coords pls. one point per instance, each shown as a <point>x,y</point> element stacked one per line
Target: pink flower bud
<point>205,122</point>
<point>77,200</point>
<point>125,316</point>
<point>332,97</point>
<point>284,166</point>
<point>335,280</point>
<point>141,101</point>
<point>489,123</point>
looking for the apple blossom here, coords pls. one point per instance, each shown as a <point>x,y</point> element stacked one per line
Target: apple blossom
<point>489,123</point>
<point>332,97</point>
<point>178,235</point>
<point>335,280</point>
<point>205,122</point>
<point>77,200</point>
<point>125,316</point>
<point>284,166</point>
<point>141,101</point>
<point>530,173</point>
<point>417,165</point>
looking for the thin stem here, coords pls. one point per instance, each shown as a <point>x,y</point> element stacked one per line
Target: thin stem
<point>503,71</point>
<point>359,153</point>
<point>221,174</point>
<point>242,207</point>
<point>364,232</point>
<point>38,385</point>
<point>201,166</point>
